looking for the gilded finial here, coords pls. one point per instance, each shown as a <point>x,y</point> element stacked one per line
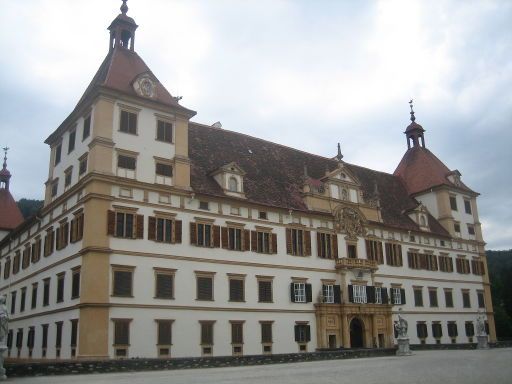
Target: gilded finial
<point>339,156</point>
<point>413,118</point>
<point>124,7</point>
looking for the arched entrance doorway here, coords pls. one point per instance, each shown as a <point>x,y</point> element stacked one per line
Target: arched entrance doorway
<point>356,333</point>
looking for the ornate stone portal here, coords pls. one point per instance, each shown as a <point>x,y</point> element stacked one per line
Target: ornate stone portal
<point>4,329</point>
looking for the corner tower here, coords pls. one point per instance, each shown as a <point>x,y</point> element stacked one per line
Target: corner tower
<point>10,215</point>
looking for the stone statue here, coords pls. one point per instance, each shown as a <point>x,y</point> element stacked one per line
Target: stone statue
<point>4,320</point>
<point>401,327</point>
<point>480,325</point>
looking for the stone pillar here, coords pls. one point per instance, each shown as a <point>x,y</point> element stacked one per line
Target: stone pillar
<point>345,331</point>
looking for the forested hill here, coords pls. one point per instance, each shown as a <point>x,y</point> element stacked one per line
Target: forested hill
<point>29,207</point>
<point>500,273</point>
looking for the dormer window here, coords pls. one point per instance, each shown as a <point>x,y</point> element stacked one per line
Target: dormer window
<point>233,184</point>
<point>230,177</point>
<point>423,221</point>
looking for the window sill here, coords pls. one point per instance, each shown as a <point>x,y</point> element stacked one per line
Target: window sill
<point>236,301</point>
<point>125,296</point>
<point>205,300</point>
<point>164,141</point>
<point>266,302</point>
<point>163,298</point>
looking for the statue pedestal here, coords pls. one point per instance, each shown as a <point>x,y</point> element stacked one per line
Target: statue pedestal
<point>483,342</point>
<point>403,347</point>
<point>3,348</point>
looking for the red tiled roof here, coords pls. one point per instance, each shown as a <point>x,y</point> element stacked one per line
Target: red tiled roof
<point>275,174</point>
<point>421,170</point>
<point>10,215</point>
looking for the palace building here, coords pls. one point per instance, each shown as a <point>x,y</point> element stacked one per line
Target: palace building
<point>163,237</point>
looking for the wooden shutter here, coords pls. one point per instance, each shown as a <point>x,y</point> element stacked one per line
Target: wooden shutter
<point>307,243</point>
<point>164,286</point>
<point>216,236</point>
<point>289,241</point>
<point>164,332</point>
<point>111,223</point>
<point>236,290</point>
<point>254,241</point>
<point>177,231</point>
<point>308,332</point>
<point>370,294</point>
<point>121,332</point>
<point>204,288</point>
<point>140,226</point>
<point>224,237</point>
<point>309,293</point>
<point>318,244</point>
<point>334,241</point>
<point>292,293</point>
<point>247,240</point>
<point>73,231</point>
<point>193,233</point>
<point>58,240</point>
<point>402,295</point>
<point>297,332</point>
<point>151,228</point>
<point>337,294</point>
<point>123,283</point>
<point>350,293</point>
<point>274,243</point>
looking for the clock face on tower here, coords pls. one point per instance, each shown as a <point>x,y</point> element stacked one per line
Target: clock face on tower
<point>145,86</point>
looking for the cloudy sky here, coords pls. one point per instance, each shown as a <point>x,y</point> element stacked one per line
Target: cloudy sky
<point>306,74</point>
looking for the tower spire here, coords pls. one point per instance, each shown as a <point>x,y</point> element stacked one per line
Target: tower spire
<point>5,175</point>
<point>122,30</point>
<point>413,118</point>
<point>339,156</point>
<point>414,131</point>
<point>124,7</point>
<point>5,157</point>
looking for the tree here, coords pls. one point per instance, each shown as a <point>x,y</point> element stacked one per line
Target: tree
<point>29,207</point>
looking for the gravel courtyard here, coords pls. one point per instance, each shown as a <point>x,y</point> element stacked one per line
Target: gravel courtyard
<point>464,366</point>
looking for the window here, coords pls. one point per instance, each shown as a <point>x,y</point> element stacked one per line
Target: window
<point>266,336</point>
<point>265,291</point>
<point>237,336</point>
<point>75,283</point>
<point>263,241</point>
<point>466,302</point>
<point>233,184</point>
<point>60,287</point>
<point>262,215</point>
<point>430,262</point>
<point>394,254</point>
<point>126,162</point>
<point>477,266</point>
<point>456,227</point>
<point>164,283</point>
<point>74,334</point>
<point>467,206</point>
<point>23,299</point>
<point>462,265</point>
<point>164,336</point>
<point>351,251</point>
<point>480,298</point>
<point>301,292</point>
<point>421,330</point>
<point>374,251</point>
<point>44,341</point>
<point>298,242</point>
<point>470,329</point>
<point>62,235</point>
<point>46,292</point>
<point>164,131</point>
<point>49,241</point>
<point>58,152</point>
<point>9,340</point>
<point>204,287</point>
<point>87,127</point>
<point>71,141</point>
<point>327,245</point>
<point>55,186</point>
<point>453,203</point>
<point>471,230</point>
<point>162,169</point>
<point>302,333</point>
<point>328,293</point>
<point>437,330</point>
<point>380,296</point>
<point>397,296</point>
<point>19,338</point>
<point>204,234</point>
<point>164,230</point>
<point>82,165</point>
<point>206,337</point>
<point>13,302</point>
<point>445,264</point>
<point>7,268</point>
<point>77,227</point>
<point>357,294</point>
<point>452,329</point>
<point>33,303</point>
<point>204,205</point>
<point>26,257</point>
<point>122,277</point>
<point>58,334</point>
<point>16,263</point>
<point>125,224</point>
<point>414,260</point>
<point>234,238</point>
<point>448,298</point>
<point>418,297</point>
<point>432,295</point>
<point>128,122</point>
<point>236,289</point>
<point>121,336</point>
<point>36,250</point>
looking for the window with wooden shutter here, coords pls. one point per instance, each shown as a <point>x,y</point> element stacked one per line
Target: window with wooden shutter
<point>75,283</point>
<point>16,263</point>
<point>298,292</point>
<point>19,338</point>
<point>31,337</point>
<point>374,251</point>
<point>266,331</point>
<point>204,234</point>
<point>7,268</point>
<point>58,334</point>
<point>204,287</point>
<point>60,287</point>
<point>236,289</point>
<point>62,235</point>
<point>393,254</point>
<point>327,245</point>
<point>432,294</point>
<point>302,333</point>
<point>298,242</point>
<point>437,330</point>
<point>352,251</point>
<point>421,330</point>
<point>26,257</point>
<point>74,333</point>
<point>452,329</point>
<point>164,131</point>
<point>206,332</point>
<point>77,227</point>
<point>36,250</point>
<point>164,332</point>
<point>237,332</point>
<point>466,302</point>
<point>121,332</point>
<point>448,298</point>
<point>46,292</point>
<point>125,225</point>
<point>470,329</point>
<point>122,281</point>
<point>418,297</point>
<point>128,122</point>
<point>164,283</point>
<point>34,296</point>
<point>445,264</point>
<point>49,241</point>
<point>265,291</point>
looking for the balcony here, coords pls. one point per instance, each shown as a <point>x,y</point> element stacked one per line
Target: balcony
<point>347,263</point>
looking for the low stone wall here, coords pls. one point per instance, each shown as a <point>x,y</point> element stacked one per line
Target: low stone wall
<point>131,365</point>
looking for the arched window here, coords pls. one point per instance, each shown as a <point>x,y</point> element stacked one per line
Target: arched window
<point>423,222</point>
<point>344,194</point>
<point>233,184</point>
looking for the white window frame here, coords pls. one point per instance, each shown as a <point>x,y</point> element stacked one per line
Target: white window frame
<point>378,295</point>
<point>328,293</point>
<point>359,292</point>
<point>299,291</point>
<point>397,296</point>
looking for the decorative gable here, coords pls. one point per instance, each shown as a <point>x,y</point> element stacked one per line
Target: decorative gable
<point>420,216</point>
<point>230,177</point>
<point>342,184</point>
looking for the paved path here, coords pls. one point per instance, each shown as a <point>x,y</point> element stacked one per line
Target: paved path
<point>445,367</point>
